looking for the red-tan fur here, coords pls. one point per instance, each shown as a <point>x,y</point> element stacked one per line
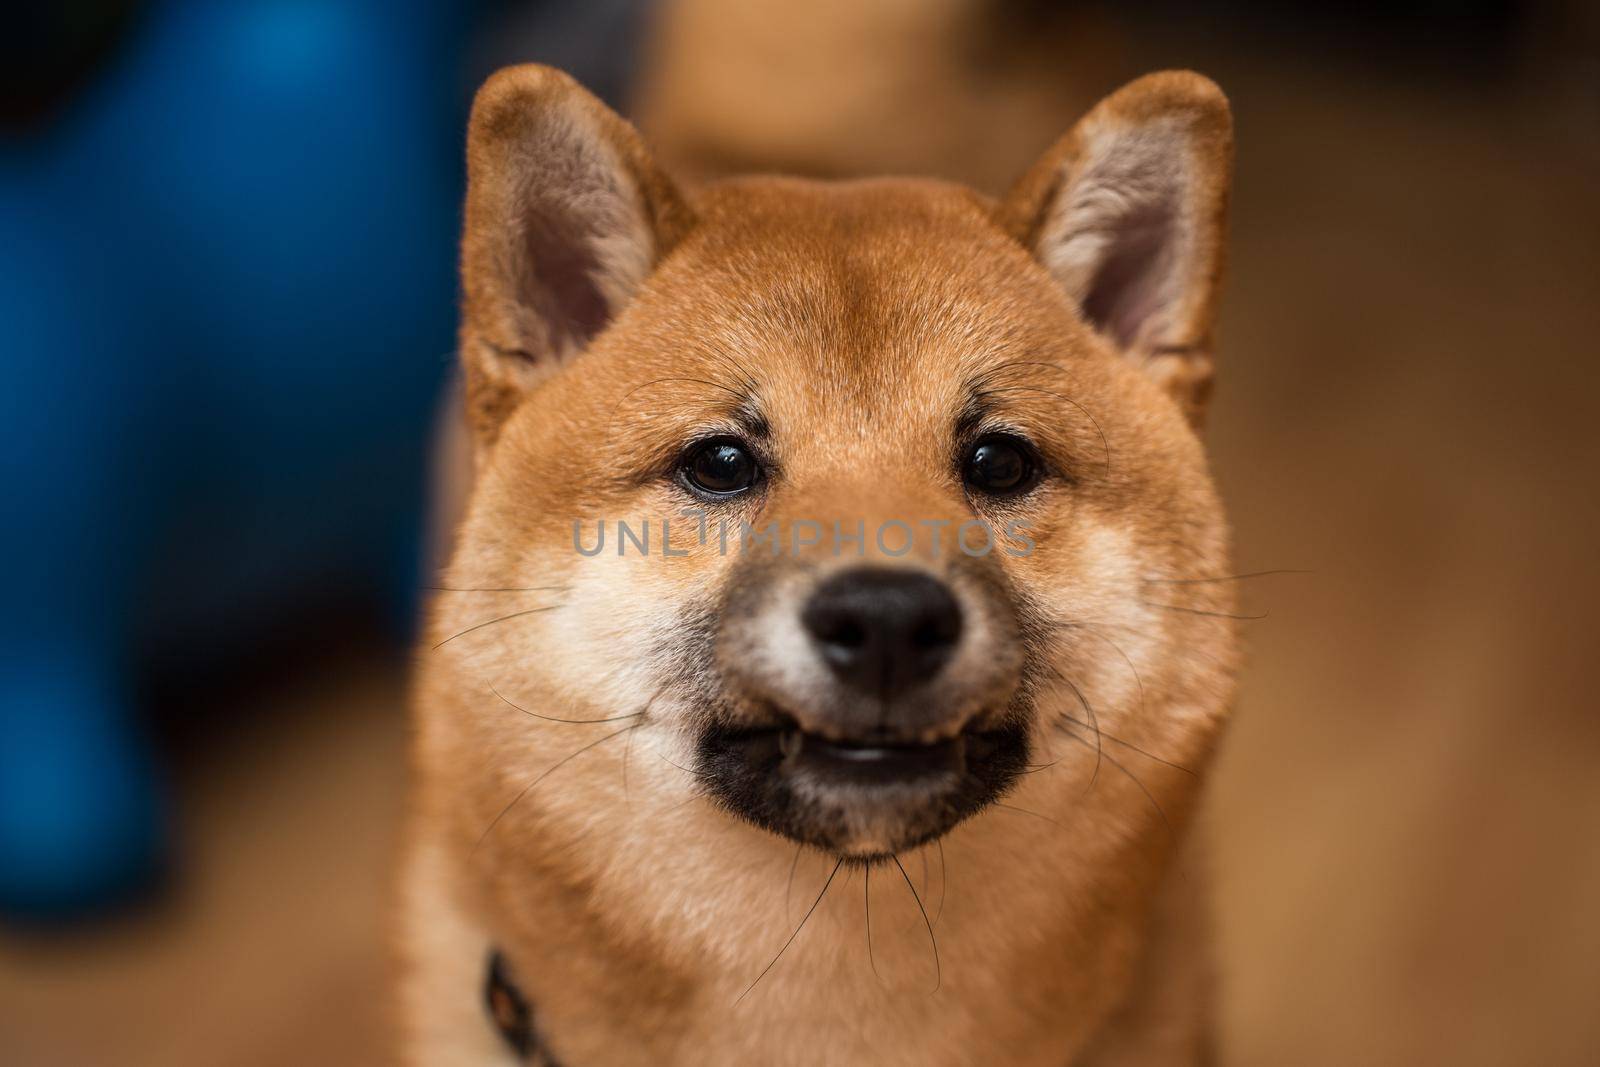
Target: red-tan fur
<point>636,913</point>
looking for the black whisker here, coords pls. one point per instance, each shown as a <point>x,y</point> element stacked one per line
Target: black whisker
<point>796,933</point>
<point>1203,611</point>
<point>574,722</point>
<point>1129,745</point>
<point>1221,578</point>
<point>1094,631</point>
<point>944,884</point>
<point>547,773</point>
<point>1135,780</point>
<point>1136,631</point>
<point>627,753</point>
<point>1025,811</point>
<point>739,395</point>
<point>1104,443</point>
<point>1094,721</point>
<point>938,971</point>
<point>1050,748</point>
<point>991,374</point>
<point>491,622</point>
<point>866,896</point>
<point>788,891</point>
<point>685,801</point>
<point>740,374</point>
<point>692,381</point>
<point>700,775</point>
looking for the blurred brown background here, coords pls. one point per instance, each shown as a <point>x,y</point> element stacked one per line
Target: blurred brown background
<point>1407,810</point>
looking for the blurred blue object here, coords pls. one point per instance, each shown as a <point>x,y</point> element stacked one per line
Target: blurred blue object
<point>227,303</point>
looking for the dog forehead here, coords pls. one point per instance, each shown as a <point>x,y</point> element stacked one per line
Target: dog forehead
<point>897,285</point>
<point>874,249</point>
<point>773,205</point>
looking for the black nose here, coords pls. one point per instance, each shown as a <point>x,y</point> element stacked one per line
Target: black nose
<point>882,630</point>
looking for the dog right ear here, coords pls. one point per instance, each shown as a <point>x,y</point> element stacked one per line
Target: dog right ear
<point>566,215</point>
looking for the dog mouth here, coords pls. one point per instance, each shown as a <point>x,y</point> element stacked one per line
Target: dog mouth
<point>859,762</point>
<point>866,797</point>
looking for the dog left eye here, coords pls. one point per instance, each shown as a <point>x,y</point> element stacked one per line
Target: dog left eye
<point>1000,465</point>
<point>720,467</point>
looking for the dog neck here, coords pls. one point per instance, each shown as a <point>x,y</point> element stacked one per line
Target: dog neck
<point>1008,925</point>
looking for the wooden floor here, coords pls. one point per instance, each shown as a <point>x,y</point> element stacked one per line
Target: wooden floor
<point>1408,806</point>
<point>1408,809</point>
<point>270,950</point>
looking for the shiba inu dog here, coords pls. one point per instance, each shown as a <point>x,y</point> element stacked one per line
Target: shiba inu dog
<point>840,625</point>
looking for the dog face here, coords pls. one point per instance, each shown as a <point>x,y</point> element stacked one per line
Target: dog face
<point>852,503</point>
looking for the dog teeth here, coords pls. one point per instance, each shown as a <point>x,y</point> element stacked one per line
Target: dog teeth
<point>790,742</point>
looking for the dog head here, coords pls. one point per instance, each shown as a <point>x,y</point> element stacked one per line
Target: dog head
<point>859,501</point>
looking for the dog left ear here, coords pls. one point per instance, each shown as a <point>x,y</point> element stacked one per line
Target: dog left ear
<point>566,215</point>
<point>1127,212</point>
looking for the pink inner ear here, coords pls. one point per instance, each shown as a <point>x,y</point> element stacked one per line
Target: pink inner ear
<point>561,286</point>
<point>1133,280</point>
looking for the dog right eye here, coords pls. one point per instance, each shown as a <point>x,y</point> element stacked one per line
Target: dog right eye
<point>1001,465</point>
<point>720,467</point>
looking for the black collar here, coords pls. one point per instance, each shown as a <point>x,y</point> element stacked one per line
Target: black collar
<point>509,1009</point>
